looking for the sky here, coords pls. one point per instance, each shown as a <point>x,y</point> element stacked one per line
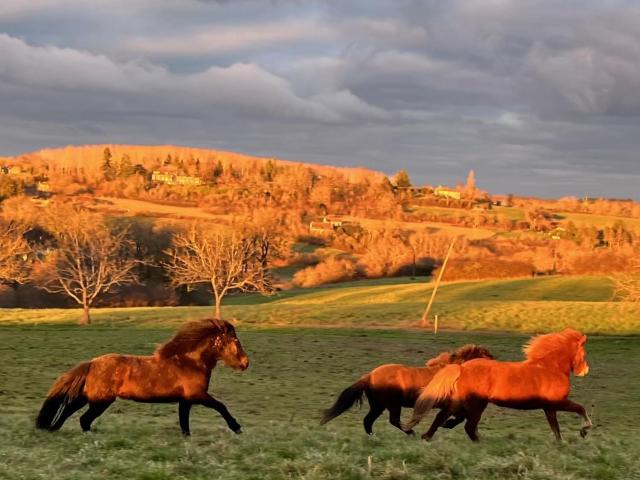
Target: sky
<point>538,97</point>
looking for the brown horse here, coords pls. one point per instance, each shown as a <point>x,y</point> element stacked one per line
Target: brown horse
<point>541,381</point>
<point>178,371</point>
<point>393,386</point>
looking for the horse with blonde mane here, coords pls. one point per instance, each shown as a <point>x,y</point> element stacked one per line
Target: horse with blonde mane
<point>542,381</point>
<point>179,371</point>
<point>393,386</point>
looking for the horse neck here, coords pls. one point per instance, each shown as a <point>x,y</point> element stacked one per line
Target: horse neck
<point>204,358</point>
<point>554,363</point>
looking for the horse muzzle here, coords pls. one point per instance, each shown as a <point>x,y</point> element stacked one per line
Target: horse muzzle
<point>244,363</point>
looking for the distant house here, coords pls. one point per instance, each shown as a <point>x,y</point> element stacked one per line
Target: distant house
<point>329,224</point>
<point>15,170</point>
<point>187,180</point>
<point>162,177</point>
<point>412,190</point>
<point>445,192</point>
<point>171,179</point>
<point>321,228</point>
<point>43,187</point>
<point>334,221</point>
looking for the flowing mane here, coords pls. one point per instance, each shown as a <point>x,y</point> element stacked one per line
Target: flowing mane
<point>461,355</point>
<point>469,352</point>
<point>191,335</point>
<point>541,346</point>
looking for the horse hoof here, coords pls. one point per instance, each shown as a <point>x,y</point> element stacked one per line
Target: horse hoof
<point>186,434</point>
<point>238,431</point>
<point>410,432</point>
<point>583,432</point>
<point>426,438</point>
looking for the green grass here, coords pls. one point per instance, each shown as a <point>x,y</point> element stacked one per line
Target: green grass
<point>525,305</point>
<point>294,373</point>
<point>598,221</point>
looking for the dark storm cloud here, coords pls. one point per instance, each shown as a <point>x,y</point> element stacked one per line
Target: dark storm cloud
<point>538,97</point>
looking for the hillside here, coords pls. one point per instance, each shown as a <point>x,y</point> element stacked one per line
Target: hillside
<point>531,305</point>
<point>91,156</point>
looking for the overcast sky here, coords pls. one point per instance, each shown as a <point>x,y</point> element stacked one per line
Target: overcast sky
<point>539,97</point>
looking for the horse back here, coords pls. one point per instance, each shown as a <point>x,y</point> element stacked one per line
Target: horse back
<point>513,384</point>
<point>399,382</point>
<point>143,378</point>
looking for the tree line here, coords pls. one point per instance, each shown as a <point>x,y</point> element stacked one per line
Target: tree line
<point>84,255</point>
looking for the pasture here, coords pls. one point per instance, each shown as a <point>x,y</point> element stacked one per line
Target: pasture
<point>525,305</point>
<point>295,373</point>
<point>305,347</point>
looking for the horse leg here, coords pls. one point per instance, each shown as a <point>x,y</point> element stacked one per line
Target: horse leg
<point>210,402</point>
<point>68,410</point>
<point>474,413</point>
<point>95,410</point>
<point>569,406</point>
<point>184,408</point>
<point>552,418</point>
<point>375,411</point>
<point>394,418</point>
<point>438,421</point>
<point>457,419</point>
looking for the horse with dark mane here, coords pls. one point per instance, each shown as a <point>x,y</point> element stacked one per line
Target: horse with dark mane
<point>393,386</point>
<point>542,381</point>
<point>179,371</point>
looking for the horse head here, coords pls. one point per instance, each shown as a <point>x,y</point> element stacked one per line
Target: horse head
<point>229,349</point>
<point>579,363</point>
<point>441,360</point>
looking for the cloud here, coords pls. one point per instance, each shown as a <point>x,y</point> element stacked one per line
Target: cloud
<point>244,87</point>
<point>222,39</point>
<point>524,92</point>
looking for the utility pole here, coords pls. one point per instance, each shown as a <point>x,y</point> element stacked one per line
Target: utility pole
<point>425,315</point>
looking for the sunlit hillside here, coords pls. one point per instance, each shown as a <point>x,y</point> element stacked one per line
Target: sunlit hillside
<point>531,305</point>
<point>90,157</point>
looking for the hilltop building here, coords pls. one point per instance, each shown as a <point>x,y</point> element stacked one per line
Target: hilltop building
<point>445,192</point>
<point>172,179</point>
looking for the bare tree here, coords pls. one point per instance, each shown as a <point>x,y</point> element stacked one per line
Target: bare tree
<point>14,252</point>
<point>627,285</point>
<point>227,261</point>
<point>89,261</point>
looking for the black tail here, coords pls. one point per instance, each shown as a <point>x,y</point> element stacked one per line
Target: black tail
<point>66,390</point>
<point>345,401</point>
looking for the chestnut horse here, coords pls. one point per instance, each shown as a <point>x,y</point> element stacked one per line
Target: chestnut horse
<point>178,371</point>
<point>541,381</point>
<point>393,386</point>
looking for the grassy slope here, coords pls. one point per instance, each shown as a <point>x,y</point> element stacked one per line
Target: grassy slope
<point>293,375</point>
<point>529,305</point>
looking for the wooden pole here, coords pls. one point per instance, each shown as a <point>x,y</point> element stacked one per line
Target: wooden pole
<point>425,315</point>
<point>435,324</point>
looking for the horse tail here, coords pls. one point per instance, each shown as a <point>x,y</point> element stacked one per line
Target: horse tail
<point>346,399</point>
<point>440,388</point>
<point>68,388</point>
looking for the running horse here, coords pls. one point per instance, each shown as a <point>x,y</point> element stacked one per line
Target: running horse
<point>542,381</point>
<point>179,371</point>
<point>393,386</point>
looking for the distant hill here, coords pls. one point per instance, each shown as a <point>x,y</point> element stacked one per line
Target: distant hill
<point>91,156</point>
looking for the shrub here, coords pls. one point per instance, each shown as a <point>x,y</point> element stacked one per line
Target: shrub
<point>485,268</point>
<point>330,270</point>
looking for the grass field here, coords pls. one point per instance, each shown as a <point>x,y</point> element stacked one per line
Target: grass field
<point>526,305</point>
<point>294,373</point>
